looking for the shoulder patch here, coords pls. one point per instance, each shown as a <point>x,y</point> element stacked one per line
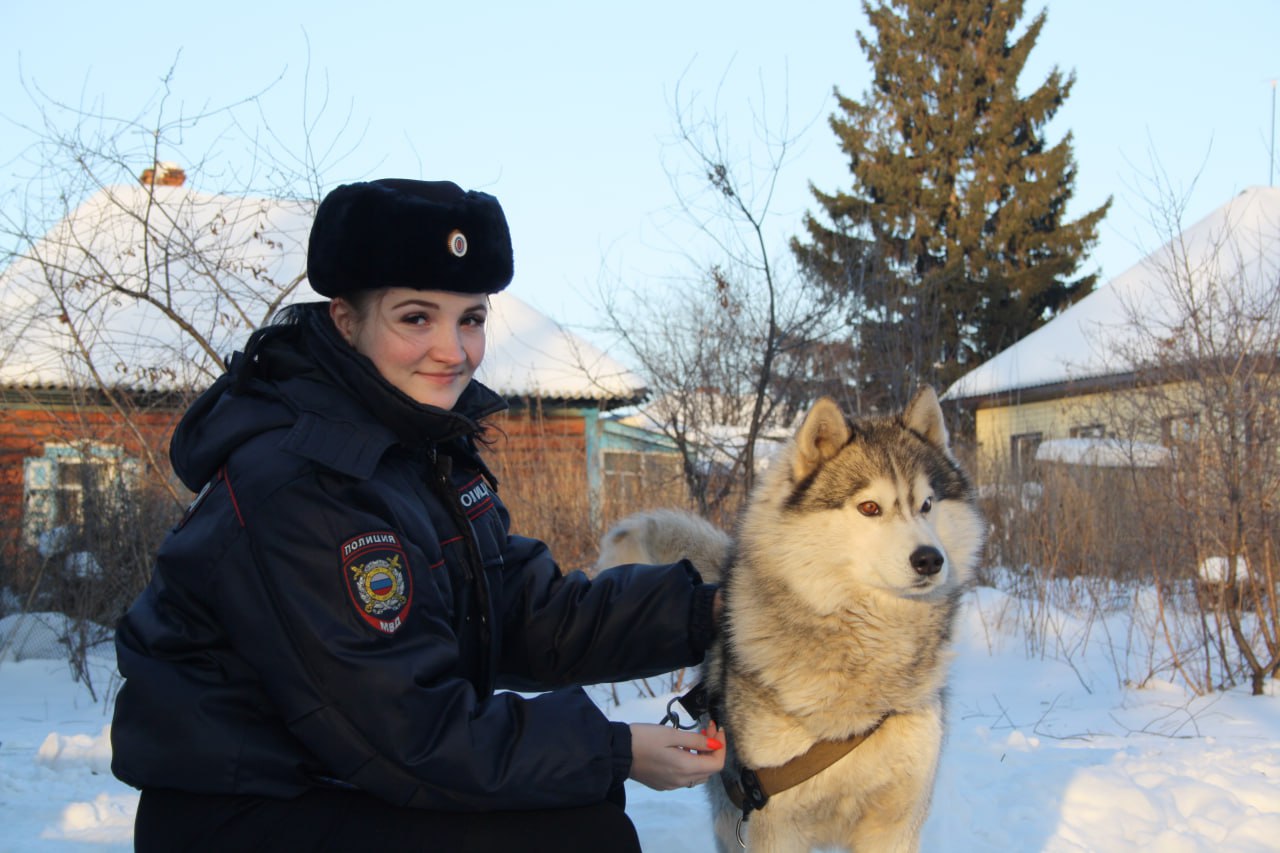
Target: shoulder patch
<point>476,498</point>
<point>376,572</point>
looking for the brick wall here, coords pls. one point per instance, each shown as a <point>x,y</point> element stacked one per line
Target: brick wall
<point>27,426</point>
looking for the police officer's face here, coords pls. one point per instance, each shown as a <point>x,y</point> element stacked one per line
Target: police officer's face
<point>427,343</point>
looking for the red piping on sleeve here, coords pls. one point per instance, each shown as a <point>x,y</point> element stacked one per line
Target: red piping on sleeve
<point>232,492</point>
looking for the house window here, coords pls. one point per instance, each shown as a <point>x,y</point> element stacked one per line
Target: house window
<point>623,465</point>
<point>68,481</point>
<point>1089,431</point>
<point>634,478</point>
<point>1023,451</point>
<point>1261,430</point>
<point>1179,429</point>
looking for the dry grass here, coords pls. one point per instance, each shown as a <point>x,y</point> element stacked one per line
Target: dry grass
<point>542,474</point>
<point>1117,551</point>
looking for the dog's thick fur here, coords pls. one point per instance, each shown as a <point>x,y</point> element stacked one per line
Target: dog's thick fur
<point>848,568</point>
<point>664,536</point>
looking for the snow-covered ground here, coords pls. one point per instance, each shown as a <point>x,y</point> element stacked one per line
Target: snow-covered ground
<point>1042,754</point>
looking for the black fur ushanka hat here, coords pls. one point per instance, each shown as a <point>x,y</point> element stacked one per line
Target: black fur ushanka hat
<point>395,232</point>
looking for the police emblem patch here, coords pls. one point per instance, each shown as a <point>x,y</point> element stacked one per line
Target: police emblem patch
<point>377,576</point>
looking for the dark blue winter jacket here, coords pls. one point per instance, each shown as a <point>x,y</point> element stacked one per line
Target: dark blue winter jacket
<point>343,597</point>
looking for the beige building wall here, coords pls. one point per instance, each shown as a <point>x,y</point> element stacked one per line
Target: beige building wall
<point>1004,432</point>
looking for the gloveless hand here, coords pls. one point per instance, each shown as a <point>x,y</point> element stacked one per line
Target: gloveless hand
<point>665,758</point>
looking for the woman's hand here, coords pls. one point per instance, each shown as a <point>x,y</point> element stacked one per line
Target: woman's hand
<point>664,758</point>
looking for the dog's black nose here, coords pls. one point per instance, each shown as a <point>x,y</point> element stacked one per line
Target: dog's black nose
<point>927,560</point>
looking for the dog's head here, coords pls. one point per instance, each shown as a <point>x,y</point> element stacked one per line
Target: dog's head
<point>877,502</point>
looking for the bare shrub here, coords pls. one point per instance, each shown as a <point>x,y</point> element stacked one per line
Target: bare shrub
<point>1067,543</point>
<point>1078,520</point>
<point>1110,555</point>
<point>1190,371</point>
<point>727,349</point>
<point>1202,347</point>
<point>126,280</point>
<point>93,567</point>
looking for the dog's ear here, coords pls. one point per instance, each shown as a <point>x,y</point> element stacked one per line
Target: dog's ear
<point>924,416</point>
<point>820,437</point>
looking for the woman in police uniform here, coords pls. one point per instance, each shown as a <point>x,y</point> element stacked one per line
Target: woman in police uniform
<point>316,661</point>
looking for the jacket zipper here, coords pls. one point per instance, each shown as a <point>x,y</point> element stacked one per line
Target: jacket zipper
<point>442,466</point>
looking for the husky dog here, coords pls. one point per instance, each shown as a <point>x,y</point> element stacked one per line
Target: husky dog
<point>665,536</point>
<point>849,564</point>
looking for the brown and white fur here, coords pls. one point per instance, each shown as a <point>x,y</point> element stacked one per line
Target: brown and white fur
<point>848,570</point>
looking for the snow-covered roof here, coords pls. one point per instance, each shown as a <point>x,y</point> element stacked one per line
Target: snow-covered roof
<point>531,355</point>
<point>1237,244</point>
<point>154,285</point>
<point>704,414</point>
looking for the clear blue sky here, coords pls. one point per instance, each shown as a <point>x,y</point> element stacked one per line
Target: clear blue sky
<point>564,109</point>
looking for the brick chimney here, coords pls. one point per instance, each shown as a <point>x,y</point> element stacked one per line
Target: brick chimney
<point>164,175</point>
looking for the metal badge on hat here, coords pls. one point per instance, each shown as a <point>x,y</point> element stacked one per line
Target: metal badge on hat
<point>457,243</point>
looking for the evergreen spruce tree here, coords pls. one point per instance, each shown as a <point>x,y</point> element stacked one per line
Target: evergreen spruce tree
<point>953,242</point>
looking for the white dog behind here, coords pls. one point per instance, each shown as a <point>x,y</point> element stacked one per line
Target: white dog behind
<point>664,536</point>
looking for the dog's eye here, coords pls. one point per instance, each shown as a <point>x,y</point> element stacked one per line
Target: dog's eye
<point>927,505</point>
<point>869,508</point>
